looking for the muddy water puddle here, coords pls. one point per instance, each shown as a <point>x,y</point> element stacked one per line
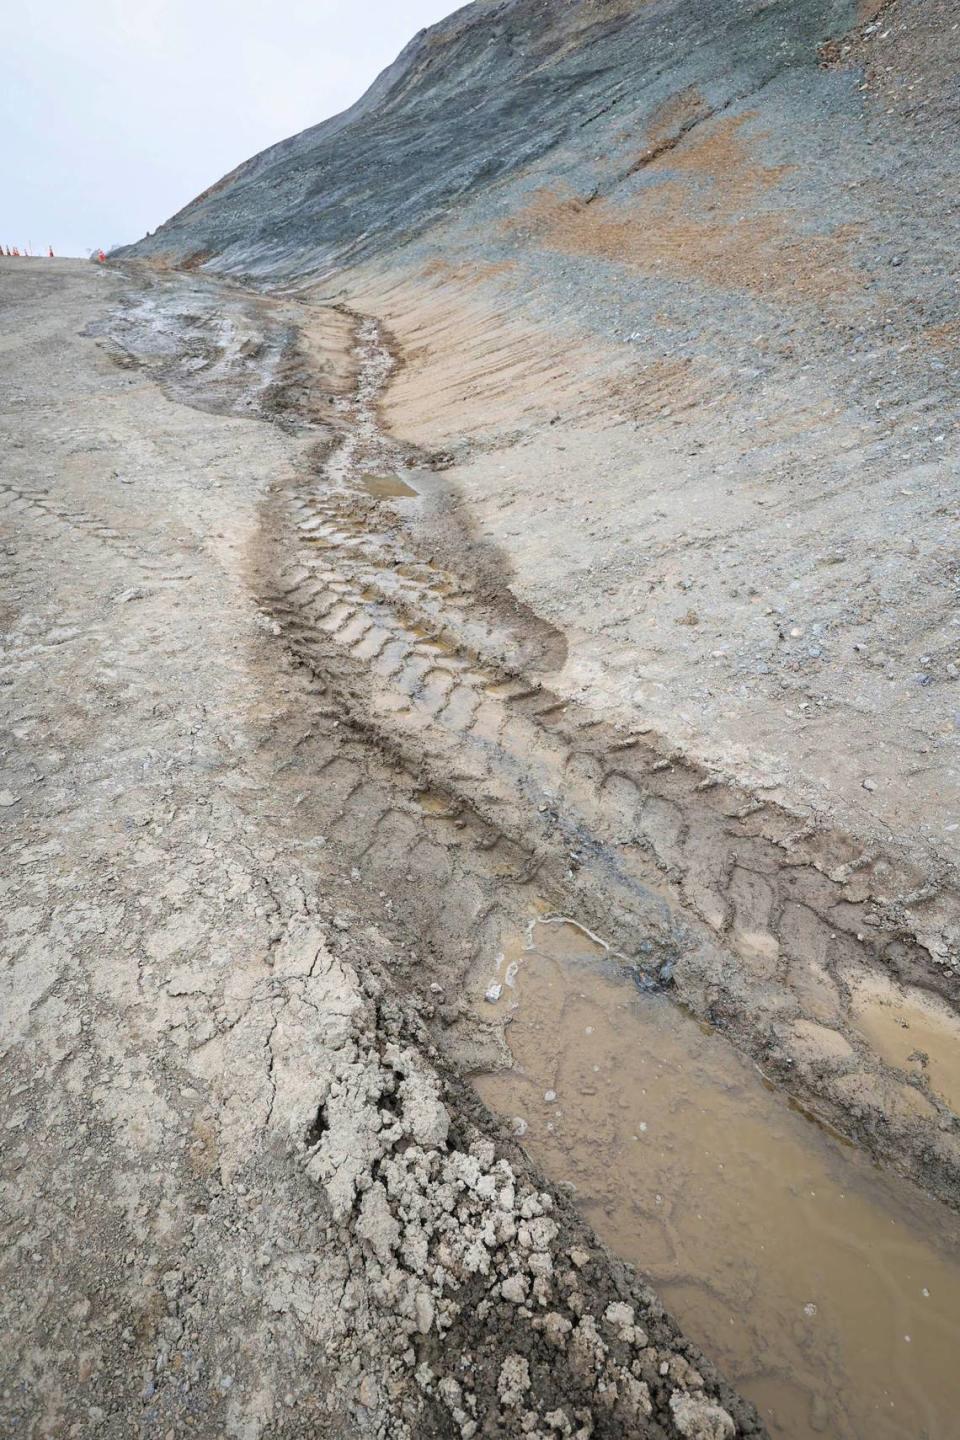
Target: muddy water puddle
<point>828,1292</point>
<point>914,1032</point>
<point>387,487</point>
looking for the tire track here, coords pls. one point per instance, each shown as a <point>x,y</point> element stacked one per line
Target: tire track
<point>38,505</point>
<point>697,883</point>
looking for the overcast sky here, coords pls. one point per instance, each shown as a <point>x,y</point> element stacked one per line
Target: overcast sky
<point>115,113</point>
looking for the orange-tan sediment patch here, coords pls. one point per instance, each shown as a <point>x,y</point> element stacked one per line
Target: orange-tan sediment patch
<point>465,274</point>
<point>691,223</point>
<point>657,233</point>
<point>943,337</point>
<point>676,114</point>
<point>648,393</point>
<point>471,363</point>
<point>721,155</point>
<point>868,10</point>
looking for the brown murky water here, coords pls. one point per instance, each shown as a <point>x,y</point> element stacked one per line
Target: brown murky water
<point>386,487</point>
<point>828,1292</point>
<point>915,1033</point>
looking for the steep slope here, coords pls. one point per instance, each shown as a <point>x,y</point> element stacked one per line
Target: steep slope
<point>473,101</point>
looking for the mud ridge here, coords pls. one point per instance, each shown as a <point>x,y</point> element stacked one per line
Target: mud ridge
<point>764,924</point>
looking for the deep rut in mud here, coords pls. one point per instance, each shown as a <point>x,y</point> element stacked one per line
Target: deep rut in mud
<point>473,800</point>
<point>828,1294</point>
<point>765,924</point>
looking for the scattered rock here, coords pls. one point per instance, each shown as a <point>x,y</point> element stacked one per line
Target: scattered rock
<point>697,1418</point>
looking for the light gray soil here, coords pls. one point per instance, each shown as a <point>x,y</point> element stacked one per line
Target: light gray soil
<point>244,1192</point>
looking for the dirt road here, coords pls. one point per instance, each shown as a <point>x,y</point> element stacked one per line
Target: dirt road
<point>296,809</point>
<point>244,1194</point>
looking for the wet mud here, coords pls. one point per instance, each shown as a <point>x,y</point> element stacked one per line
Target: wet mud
<point>763,924</point>
<point>387,487</point>
<point>829,1293</point>
<point>914,1032</point>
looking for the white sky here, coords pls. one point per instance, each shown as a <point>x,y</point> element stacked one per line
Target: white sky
<point>115,113</point>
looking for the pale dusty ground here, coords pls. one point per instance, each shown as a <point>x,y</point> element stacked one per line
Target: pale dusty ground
<point>242,1195</point>
<point>145,915</point>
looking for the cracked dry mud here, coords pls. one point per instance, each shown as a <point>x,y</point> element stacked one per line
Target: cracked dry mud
<point>287,775</point>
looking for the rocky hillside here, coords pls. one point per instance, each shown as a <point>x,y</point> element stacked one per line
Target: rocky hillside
<point>473,102</point>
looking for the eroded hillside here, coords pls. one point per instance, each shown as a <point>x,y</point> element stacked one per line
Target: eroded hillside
<point>707,261</point>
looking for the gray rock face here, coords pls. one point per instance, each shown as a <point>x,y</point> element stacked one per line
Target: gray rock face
<point>468,104</point>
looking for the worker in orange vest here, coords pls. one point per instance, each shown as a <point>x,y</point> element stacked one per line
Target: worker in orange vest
<point>50,252</point>
<point>101,256</point>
